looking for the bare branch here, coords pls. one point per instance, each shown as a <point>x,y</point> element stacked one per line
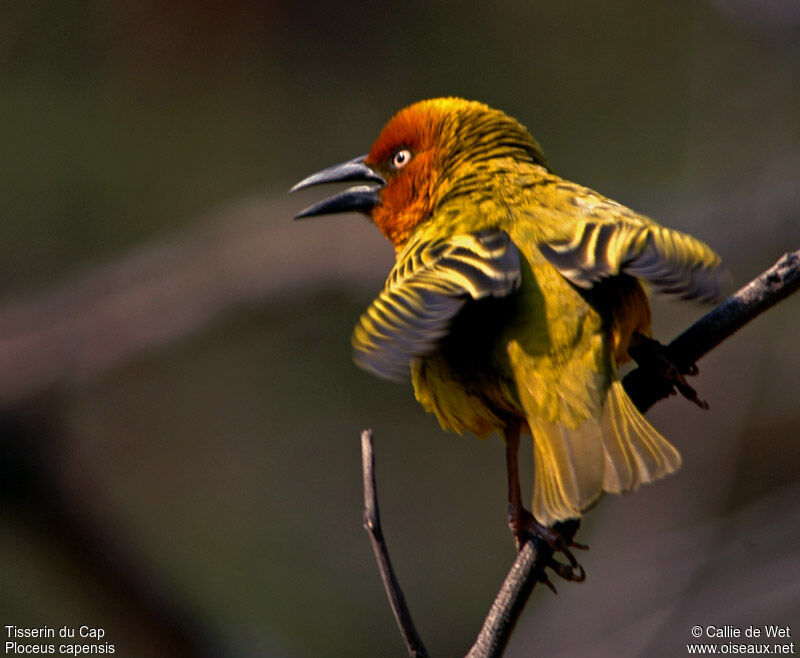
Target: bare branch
<point>527,570</point>
<point>372,524</point>
<point>508,605</point>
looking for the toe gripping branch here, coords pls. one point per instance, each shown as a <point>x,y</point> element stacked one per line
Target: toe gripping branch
<point>559,539</point>
<point>656,359</point>
<point>548,541</point>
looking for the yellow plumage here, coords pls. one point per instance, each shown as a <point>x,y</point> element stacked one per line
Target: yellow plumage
<point>515,296</point>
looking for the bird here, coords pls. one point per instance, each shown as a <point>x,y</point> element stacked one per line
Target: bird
<point>515,297</point>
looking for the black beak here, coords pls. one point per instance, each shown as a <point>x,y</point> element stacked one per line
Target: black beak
<point>361,198</point>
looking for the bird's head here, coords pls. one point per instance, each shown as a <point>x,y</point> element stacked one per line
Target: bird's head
<point>419,158</point>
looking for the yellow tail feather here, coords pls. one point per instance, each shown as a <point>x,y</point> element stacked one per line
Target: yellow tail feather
<point>617,453</point>
<point>635,453</point>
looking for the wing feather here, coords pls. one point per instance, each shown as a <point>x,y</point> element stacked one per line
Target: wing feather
<point>425,290</point>
<point>673,262</point>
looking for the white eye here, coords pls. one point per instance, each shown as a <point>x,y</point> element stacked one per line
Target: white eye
<point>401,158</point>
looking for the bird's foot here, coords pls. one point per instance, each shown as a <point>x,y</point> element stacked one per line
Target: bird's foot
<point>652,355</point>
<point>524,526</point>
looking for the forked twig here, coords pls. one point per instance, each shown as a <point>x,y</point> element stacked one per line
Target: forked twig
<point>645,389</point>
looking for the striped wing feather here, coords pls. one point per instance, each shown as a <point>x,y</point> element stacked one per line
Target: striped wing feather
<point>672,261</point>
<point>425,290</point>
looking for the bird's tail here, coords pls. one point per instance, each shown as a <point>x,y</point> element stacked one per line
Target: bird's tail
<point>635,453</point>
<point>572,467</point>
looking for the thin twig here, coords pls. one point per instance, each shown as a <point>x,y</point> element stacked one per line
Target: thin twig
<point>372,524</point>
<point>766,290</point>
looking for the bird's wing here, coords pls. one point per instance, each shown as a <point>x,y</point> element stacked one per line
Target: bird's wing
<point>600,238</point>
<point>430,283</point>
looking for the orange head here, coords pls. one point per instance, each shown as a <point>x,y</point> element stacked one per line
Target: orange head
<point>419,157</point>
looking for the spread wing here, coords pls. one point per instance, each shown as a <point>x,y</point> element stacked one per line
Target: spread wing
<point>625,243</point>
<point>426,289</point>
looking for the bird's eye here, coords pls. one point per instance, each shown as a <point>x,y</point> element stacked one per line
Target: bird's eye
<point>401,158</point>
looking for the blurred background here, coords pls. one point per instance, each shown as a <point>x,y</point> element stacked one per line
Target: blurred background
<point>179,414</point>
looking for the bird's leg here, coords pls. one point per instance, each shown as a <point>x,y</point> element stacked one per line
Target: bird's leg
<point>653,356</point>
<point>518,517</point>
<point>522,523</point>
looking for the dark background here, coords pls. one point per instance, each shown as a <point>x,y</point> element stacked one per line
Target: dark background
<point>186,474</point>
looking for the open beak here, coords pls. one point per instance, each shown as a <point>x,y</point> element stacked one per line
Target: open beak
<point>360,198</point>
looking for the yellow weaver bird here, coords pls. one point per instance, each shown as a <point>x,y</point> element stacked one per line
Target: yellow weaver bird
<point>515,296</point>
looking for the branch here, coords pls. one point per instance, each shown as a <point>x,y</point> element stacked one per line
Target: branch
<point>528,569</point>
<point>372,524</point>
<point>763,292</point>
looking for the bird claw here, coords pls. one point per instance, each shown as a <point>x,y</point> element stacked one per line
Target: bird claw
<point>689,393</point>
<point>653,356</point>
<point>525,527</point>
<point>544,579</point>
<point>573,573</point>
